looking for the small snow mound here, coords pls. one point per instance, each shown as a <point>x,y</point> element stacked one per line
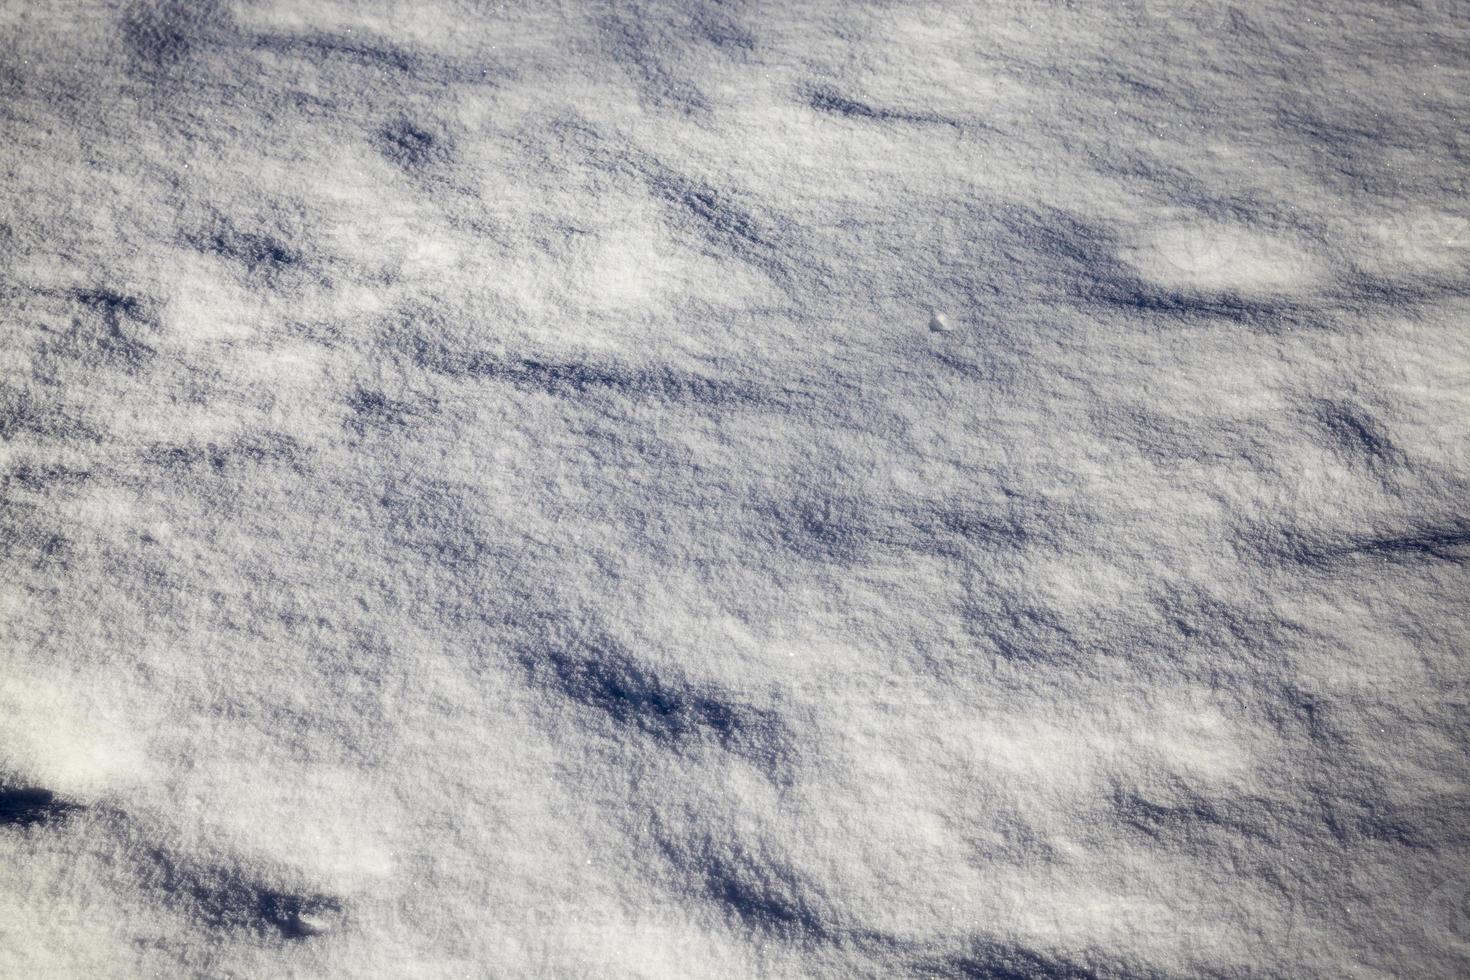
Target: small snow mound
<point>312,924</point>
<point>939,323</point>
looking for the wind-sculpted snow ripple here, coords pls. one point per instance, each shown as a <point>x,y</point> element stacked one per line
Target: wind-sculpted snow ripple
<point>716,489</point>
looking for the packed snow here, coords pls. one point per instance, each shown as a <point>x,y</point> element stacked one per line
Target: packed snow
<point>734,489</point>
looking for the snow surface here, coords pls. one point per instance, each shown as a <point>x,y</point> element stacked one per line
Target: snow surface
<point>734,489</point>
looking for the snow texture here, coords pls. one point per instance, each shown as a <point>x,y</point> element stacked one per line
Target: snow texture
<point>734,489</point>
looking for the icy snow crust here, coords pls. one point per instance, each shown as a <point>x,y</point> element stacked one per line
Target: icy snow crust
<point>723,490</point>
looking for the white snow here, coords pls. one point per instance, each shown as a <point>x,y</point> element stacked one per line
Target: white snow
<point>480,498</point>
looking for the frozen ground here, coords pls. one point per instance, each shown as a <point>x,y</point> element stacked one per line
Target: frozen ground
<point>734,490</point>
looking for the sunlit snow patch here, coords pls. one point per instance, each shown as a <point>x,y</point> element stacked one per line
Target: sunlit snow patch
<point>1420,241</point>
<point>1221,257</point>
